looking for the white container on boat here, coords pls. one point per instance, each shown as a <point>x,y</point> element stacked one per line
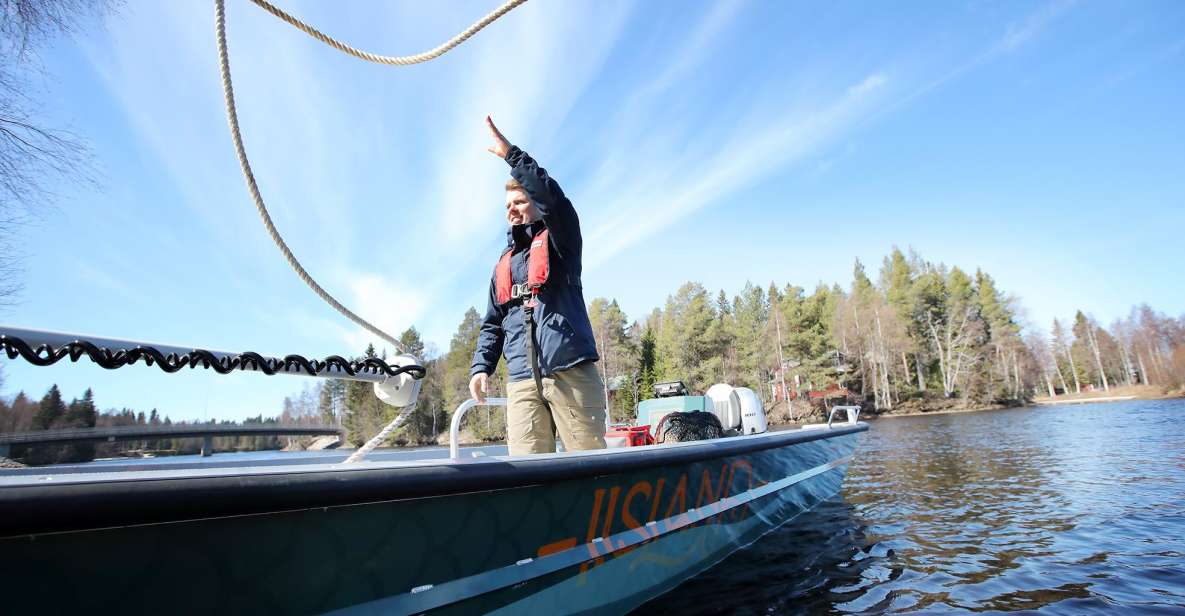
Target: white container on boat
<point>726,404</point>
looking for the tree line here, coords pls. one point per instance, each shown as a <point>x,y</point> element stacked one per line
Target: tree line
<point>917,335</point>
<point>52,412</point>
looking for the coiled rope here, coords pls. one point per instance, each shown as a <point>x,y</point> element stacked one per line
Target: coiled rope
<point>233,120</point>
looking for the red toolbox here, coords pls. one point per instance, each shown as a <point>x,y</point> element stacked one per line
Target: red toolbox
<point>635,436</point>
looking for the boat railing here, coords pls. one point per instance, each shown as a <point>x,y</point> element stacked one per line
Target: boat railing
<point>853,414</point>
<point>454,430</point>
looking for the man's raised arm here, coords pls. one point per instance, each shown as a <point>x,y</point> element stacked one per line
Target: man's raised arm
<point>557,211</point>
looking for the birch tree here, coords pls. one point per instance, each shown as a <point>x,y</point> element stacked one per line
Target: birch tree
<point>955,327</point>
<point>1061,346</point>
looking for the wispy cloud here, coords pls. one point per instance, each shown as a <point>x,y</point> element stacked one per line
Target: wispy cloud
<point>1016,35</point>
<point>773,140</point>
<point>1020,33</point>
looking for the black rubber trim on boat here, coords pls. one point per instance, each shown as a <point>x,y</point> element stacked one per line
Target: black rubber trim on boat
<point>112,359</point>
<point>82,501</point>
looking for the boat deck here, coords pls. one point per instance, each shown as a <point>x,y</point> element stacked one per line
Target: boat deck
<point>331,461</point>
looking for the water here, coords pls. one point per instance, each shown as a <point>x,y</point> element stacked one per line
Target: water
<point>1059,510</point>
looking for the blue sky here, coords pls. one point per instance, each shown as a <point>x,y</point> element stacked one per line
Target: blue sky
<point>716,142</point>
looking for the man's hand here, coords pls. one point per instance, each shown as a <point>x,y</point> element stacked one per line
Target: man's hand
<point>501,145</point>
<point>477,385</point>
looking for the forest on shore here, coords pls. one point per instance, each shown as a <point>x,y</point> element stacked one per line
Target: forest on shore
<point>919,336</point>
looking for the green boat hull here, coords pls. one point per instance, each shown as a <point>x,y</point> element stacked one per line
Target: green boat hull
<point>600,532</point>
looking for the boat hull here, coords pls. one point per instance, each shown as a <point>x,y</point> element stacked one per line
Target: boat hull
<point>557,534</point>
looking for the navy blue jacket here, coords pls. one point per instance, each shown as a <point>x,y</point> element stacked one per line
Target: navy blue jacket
<point>561,321</point>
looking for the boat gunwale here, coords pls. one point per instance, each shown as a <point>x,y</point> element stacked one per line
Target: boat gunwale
<point>123,498</point>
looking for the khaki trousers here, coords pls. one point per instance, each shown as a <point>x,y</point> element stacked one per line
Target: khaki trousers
<point>577,398</point>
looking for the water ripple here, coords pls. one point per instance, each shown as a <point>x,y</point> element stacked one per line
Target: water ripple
<point>1073,510</point>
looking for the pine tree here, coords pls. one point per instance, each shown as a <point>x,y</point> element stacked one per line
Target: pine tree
<point>328,400</point>
<point>488,423</point>
<point>806,333</point>
<point>754,354</point>
<point>459,359</point>
<point>80,414</point>
<point>685,341</point>
<point>898,278</point>
<point>50,411</point>
<point>412,343</point>
<point>647,365</point>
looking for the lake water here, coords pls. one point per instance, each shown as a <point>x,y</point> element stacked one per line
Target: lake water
<point>1059,510</point>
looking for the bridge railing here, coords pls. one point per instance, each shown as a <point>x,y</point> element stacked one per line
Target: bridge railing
<point>173,430</point>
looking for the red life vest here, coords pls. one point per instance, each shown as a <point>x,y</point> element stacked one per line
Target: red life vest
<point>538,270</point>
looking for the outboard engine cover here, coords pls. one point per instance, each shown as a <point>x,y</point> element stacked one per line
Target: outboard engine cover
<point>752,412</point>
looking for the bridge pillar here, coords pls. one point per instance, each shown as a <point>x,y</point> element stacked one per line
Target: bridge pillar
<point>207,446</point>
<point>5,450</point>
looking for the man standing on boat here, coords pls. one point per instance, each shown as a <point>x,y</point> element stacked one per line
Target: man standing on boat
<point>536,318</point>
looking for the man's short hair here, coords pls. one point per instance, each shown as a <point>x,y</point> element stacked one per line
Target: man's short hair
<point>512,184</point>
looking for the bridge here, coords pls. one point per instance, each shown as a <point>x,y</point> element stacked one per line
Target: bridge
<point>206,432</point>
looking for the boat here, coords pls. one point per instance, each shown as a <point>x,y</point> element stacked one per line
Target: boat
<point>441,530</point>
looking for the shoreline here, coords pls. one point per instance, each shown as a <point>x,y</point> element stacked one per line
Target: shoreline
<point>955,411</point>
<point>1125,394</point>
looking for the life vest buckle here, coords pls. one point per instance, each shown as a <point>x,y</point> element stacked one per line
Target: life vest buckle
<point>520,290</point>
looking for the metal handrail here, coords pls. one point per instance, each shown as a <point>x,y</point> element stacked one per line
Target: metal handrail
<point>454,430</point>
<point>852,411</point>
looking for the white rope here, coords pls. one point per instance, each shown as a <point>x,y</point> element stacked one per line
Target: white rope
<point>378,439</point>
<point>394,60</point>
<point>232,117</point>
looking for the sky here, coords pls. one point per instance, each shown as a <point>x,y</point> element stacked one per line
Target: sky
<point>717,142</point>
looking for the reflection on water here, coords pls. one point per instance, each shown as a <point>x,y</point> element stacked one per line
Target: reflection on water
<point>1058,510</point>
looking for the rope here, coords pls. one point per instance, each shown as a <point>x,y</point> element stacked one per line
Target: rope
<point>378,439</point>
<point>232,117</point>
<point>249,176</point>
<point>390,60</point>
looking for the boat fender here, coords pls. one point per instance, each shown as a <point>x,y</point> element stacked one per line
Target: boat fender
<point>399,390</point>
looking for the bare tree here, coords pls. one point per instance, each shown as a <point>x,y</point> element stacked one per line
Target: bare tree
<point>952,343</point>
<point>33,156</point>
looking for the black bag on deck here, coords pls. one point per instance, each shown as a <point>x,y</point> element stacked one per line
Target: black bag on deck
<point>682,427</point>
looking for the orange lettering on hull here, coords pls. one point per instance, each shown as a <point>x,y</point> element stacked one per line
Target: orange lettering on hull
<point>601,526</point>
<point>627,517</point>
